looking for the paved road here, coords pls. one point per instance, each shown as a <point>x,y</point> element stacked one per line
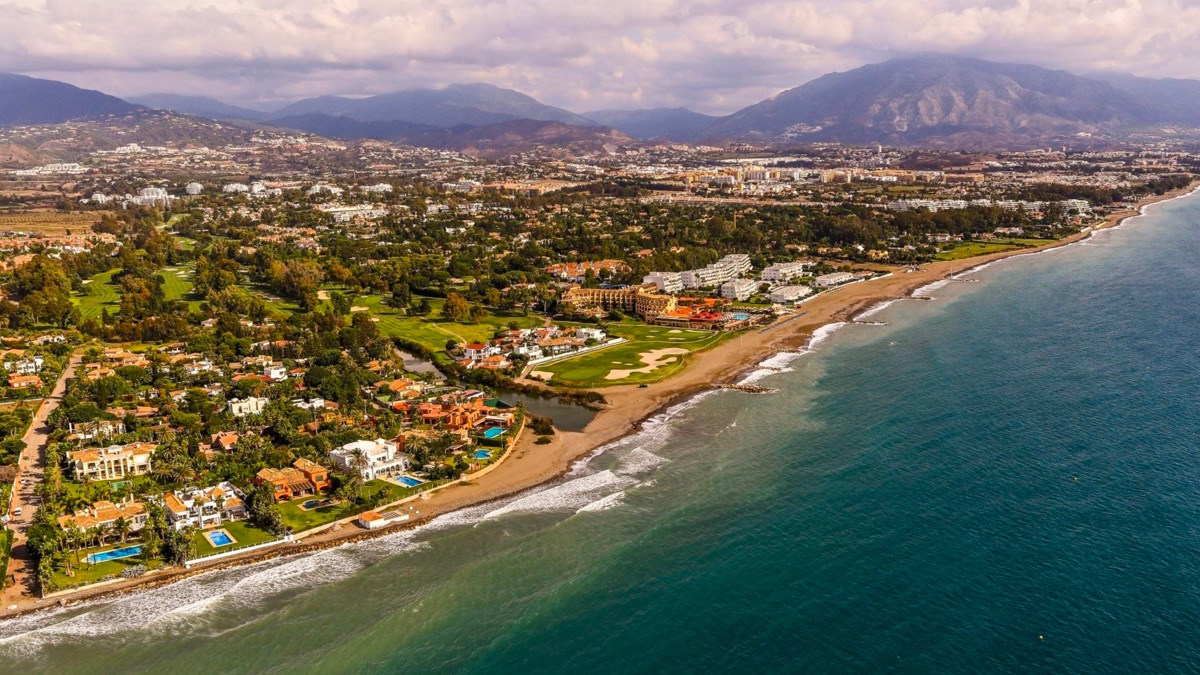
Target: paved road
<point>29,475</point>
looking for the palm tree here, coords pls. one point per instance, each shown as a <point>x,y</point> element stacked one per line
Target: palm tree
<point>359,461</point>
<point>121,527</point>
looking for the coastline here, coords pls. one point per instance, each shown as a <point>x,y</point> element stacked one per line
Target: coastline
<point>529,465</point>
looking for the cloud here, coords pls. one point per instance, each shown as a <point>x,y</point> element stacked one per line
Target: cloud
<point>713,56</point>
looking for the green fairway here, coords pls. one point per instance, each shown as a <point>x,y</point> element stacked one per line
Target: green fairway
<point>99,292</point>
<point>591,369</point>
<point>177,281</point>
<point>431,332</point>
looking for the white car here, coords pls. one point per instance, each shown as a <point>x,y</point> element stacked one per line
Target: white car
<point>17,511</point>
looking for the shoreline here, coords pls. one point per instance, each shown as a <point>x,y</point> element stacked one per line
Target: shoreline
<point>528,466</point>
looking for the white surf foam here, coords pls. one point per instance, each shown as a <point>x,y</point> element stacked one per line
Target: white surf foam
<point>874,309</point>
<point>572,494</point>
<point>604,503</point>
<point>822,334</point>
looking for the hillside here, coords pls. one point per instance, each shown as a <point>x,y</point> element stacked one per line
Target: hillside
<point>1179,100</point>
<point>29,100</point>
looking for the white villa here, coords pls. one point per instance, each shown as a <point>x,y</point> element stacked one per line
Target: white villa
<point>383,458</point>
<point>204,507</point>
<point>113,462</point>
<point>252,405</point>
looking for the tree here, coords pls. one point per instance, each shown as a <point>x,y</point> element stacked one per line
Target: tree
<point>455,308</point>
<point>340,303</point>
<point>121,527</point>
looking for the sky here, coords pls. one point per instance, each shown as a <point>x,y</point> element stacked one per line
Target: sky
<point>714,56</point>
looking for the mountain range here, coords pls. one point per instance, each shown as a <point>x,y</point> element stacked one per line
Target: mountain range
<point>925,100</point>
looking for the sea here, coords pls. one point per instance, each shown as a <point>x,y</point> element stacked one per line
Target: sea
<point>1000,475</point>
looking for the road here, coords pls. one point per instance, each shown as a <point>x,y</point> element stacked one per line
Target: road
<point>29,475</point>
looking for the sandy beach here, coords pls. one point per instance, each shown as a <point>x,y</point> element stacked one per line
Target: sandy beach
<point>529,465</point>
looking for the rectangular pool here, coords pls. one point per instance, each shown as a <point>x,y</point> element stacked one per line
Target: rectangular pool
<point>115,554</point>
<point>219,538</point>
<point>408,481</point>
<point>493,432</point>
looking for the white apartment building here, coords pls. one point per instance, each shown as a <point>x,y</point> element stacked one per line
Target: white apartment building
<point>738,289</point>
<point>665,282</point>
<point>786,295</point>
<point>235,188</point>
<point>831,280</point>
<point>193,189</point>
<point>784,272</point>
<point>383,458</point>
<point>728,268</point>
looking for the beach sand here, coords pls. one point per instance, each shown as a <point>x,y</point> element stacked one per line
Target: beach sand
<point>530,465</point>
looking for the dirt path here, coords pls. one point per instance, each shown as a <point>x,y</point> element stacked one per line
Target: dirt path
<point>30,469</point>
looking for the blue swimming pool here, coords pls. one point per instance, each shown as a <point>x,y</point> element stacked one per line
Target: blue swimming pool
<point>115,554</point>
<point>311,504</point>
<point>408,481</point>
<point>741,317</point>
<point>220,538</point>
<point>483,454</point>
<point>493,433</point>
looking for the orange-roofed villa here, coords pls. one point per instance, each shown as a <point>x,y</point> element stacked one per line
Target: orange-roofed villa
<point>301,479</point>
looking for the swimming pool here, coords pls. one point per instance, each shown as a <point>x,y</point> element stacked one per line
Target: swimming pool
<point>483,454</point>
<point>493,432</point>
<point>115,554</point>
<point>408,481</point>
<point>310,504</point>
<point>219,538</point>
<point>741,317</point>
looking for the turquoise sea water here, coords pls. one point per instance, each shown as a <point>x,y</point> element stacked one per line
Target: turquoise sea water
<point>1003,479</point>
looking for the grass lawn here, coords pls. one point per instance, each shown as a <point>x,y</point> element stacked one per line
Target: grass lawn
<point>90,574</point>
<point>299,520</point>
<point>974,248</point>
<point>101,292</point>
<point>589,370</point>
<point>243,533</point>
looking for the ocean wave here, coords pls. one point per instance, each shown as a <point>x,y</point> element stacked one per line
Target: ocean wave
<point>639,461</point>
<point>572,494</point>
<point>655,432</point>
<point>823,333</point>
<point>604,503</point>
<point>874,309</point>
<point>927,290</point>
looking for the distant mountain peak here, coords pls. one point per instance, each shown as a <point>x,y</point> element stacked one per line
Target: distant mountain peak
<point>930,98</point>
<point>30,100</point>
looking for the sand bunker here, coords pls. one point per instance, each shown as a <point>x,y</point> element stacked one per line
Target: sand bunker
<point>322,295</point>
<point>652,359</point>
<point>359,308</point>
<point>541,375</point>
